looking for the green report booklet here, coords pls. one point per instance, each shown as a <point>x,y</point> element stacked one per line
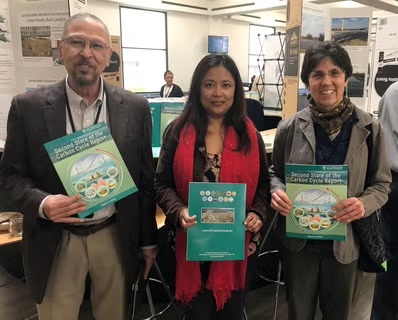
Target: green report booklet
<point>89,164</point>
<point>220,233</point>
<point>155,113</point>
<point>169,111</point>
<point>314,190</point>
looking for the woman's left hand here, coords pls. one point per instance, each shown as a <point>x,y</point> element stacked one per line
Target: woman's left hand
<point>253,222</point>
<point>349,210</point>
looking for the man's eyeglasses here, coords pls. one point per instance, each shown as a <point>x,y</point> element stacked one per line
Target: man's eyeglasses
<point>80,44</point>
<point>333,74</point>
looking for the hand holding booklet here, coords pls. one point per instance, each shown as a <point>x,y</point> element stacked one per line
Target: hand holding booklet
<point>219,234</point>
<point>89,163</point>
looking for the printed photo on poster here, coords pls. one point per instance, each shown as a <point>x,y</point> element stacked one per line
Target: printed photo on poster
<point>350,31</point>
<point>312,31</point>
<point>385,60</point>
<point>38,33</point>
<point>356,85</point>
<point>113,73</point>
<point>36,41</point>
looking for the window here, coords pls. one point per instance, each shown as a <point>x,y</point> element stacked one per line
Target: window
<point>144,49</point>
<point>256,42</point>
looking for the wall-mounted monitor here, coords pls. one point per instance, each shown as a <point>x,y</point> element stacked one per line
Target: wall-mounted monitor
<point>217,44</point>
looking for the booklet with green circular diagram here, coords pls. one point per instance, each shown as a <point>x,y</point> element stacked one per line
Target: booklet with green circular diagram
<point>219,234</point>
<point>314,190</point>
<point>89,163</point>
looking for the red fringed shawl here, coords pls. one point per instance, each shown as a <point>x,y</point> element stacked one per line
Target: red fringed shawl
<point>236,167</point>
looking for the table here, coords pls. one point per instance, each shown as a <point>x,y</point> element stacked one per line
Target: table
<point>160,217</point>
<point>268,138</point>
<point>6,238</point>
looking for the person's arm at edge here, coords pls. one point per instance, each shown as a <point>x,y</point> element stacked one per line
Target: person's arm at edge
<point>165,189</point>
<point>277,169</point>
<point>14,167</point>
<point>376,195</point>
<point>261,203</point>
<point>148,229</point>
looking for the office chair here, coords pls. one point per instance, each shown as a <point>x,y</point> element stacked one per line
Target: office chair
<point>255,112</point>
<point>146,284</point>
<point>271,256</point>
<point>271,122</point>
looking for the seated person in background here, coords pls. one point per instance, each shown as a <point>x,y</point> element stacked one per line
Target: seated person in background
<point>170,89</point>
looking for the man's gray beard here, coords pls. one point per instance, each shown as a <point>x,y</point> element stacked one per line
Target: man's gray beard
<point>83,82</point>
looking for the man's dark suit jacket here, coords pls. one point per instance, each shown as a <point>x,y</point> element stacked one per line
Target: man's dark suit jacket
<point>27,174</point>
<point>176,92</point>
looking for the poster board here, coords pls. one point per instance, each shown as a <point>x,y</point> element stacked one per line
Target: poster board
<point>28,39</point>
<point>113,73</point>
<point>385,60</point>
<point>291,73</point>
<point>351,29</point>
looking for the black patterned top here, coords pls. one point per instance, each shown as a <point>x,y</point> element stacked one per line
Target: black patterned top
<point>213,166</point>
<point>212,174</point>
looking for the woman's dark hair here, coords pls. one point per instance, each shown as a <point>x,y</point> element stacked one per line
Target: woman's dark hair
<point>194,113</point>
<point>328,49</point>
<point>166,72</point>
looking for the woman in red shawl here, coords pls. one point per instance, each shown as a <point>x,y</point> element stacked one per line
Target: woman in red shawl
<point>213,140</point>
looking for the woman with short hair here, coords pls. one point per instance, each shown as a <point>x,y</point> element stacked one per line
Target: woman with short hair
<point>330,131</point>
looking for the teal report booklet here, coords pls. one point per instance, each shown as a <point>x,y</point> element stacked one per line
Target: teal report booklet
<point>163,112</point>
<point>220,233</point>
<point>170,110</point>
<point>155,113</point>
<point>89,164</point>
<point>314,190</point>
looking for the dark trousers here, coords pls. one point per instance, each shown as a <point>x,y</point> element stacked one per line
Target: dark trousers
<point>385,303</point>
<point>312,274</point>
<point>203,306</point>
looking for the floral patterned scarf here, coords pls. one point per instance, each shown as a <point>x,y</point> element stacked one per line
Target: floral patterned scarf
<point>332,121</point>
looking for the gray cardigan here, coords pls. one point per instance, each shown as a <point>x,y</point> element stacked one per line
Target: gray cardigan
<point>295,143</point>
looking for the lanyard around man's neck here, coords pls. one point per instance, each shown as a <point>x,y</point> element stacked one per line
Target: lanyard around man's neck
<point>72,123</point>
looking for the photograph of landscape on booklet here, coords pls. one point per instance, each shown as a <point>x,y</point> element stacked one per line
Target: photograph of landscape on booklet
<point>89,164</point>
